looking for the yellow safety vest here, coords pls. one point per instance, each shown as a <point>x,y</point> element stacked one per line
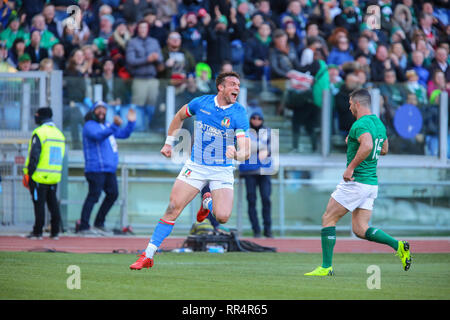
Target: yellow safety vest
<point>50,163</point>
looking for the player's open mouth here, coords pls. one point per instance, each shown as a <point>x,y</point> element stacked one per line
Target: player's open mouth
<point>234,95</point>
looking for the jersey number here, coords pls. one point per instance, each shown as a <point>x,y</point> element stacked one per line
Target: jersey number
<point>377,148</point>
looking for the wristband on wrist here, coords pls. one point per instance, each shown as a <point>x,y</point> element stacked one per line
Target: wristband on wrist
<point>170,140</point>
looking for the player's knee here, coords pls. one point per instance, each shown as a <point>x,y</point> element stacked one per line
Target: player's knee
<point>173,209</point>
<point>222,217</point>
<point>359,230</point>
<point>328,220</point>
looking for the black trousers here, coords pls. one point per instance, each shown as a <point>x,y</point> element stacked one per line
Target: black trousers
<point>252,182</point>
<point>98,182</point>
<point>42,194</point>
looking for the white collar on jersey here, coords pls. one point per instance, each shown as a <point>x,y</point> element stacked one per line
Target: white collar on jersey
<point>221,107</point>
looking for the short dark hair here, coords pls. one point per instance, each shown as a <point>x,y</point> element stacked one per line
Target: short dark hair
<point>221,77</point>
<point>45,113</point>
<point>362,96</point>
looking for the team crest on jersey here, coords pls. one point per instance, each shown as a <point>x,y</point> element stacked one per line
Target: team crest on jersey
<point>187,173</point>
<point>225,122</point>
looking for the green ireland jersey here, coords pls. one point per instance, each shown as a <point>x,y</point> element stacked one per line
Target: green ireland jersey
<point>366,172</point>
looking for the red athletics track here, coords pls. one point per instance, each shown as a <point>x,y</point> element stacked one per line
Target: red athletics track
<point>132,244</point>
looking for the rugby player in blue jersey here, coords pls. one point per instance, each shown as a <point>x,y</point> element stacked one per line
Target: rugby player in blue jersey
<point>221,123</point>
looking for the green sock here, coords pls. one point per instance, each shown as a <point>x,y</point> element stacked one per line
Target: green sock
<point>328,236</point>
<point>377,235</point>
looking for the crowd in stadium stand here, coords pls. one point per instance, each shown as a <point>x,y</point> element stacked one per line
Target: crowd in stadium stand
<point>128,46</point>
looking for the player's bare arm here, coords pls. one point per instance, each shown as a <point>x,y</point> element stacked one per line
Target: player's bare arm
<point>175,125</point>
<point>243,152</point>
<point>364,150</point>
<point>385,148</point>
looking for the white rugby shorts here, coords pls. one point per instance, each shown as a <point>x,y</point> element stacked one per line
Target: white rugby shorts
<point>198,176</point>
<point>352,195</point>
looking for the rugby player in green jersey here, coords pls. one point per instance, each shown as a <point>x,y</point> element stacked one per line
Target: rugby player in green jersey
<point>358,189</point>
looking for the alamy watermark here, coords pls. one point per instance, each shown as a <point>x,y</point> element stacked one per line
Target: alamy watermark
<point>73,21</point>
<point>373,17</point>
<point>74,280</point>
<point>374,280</point>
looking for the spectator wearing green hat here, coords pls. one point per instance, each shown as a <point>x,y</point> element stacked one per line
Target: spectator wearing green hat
<point>24,62</point>
<point>349,19</point>
<point>14,31</point>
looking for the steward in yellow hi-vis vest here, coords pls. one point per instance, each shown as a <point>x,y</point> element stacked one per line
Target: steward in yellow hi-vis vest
<point>42,171</point>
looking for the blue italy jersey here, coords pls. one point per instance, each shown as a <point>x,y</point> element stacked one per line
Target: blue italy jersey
<point>215,128</point>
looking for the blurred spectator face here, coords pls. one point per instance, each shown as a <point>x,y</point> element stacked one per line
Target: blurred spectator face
<point>108,67</point>
<point>191,20</point>
<point>312,30</point>
<point>334,74</point>
<point>417,58</point>
<point>290,29</point>
<point>382,53</point>
<point>441,55</point>
<point>191,84</point>
<point>25,65</point>
<point>100,113</point>
<point>295,8</point>
<point>121,28</point>
<point>426,22</point>
<point>14,25</point>
<point>352,81</point>
<point>412,76</point>
<point>390,77</point>
<point>78,57</point>
<point>281,41</point>
<point>131,27</point>
<point>427,8</point>
<point>397,49</point>
<point>3,52</point>
<point>35,38</point>
<point>58,50</point>
<point>396,37</point>
<point>362,77</point>
<point>264,7</point>
<point>243,8</point>
<point>362,61</point>
<point>106,24</point>
<point>264,30</point>
<point>142,30</point>
<point>150,18</point>
<point>257,20</point>
<point>104,10</point>
<point>363,43</point>
<point>227,67</point>
<point>20,48</point>
<point>83,4</point>
<point>49,13</point>
<point>88,53</point>
<point>46,65</point>
<point>343,44</point>
<point>39,22</point>
<point>407,3</point>
<point>439,79</point>
<point>174,41</point>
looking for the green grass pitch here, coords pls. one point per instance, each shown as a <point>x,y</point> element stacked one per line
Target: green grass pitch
<point>228,276</point>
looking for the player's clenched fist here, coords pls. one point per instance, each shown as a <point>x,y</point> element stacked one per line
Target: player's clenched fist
<point>166,151</point>
<point>231,152</point>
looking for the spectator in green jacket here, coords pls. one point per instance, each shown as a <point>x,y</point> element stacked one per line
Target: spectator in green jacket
<point>48,39</point>
<point>14,31</point>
